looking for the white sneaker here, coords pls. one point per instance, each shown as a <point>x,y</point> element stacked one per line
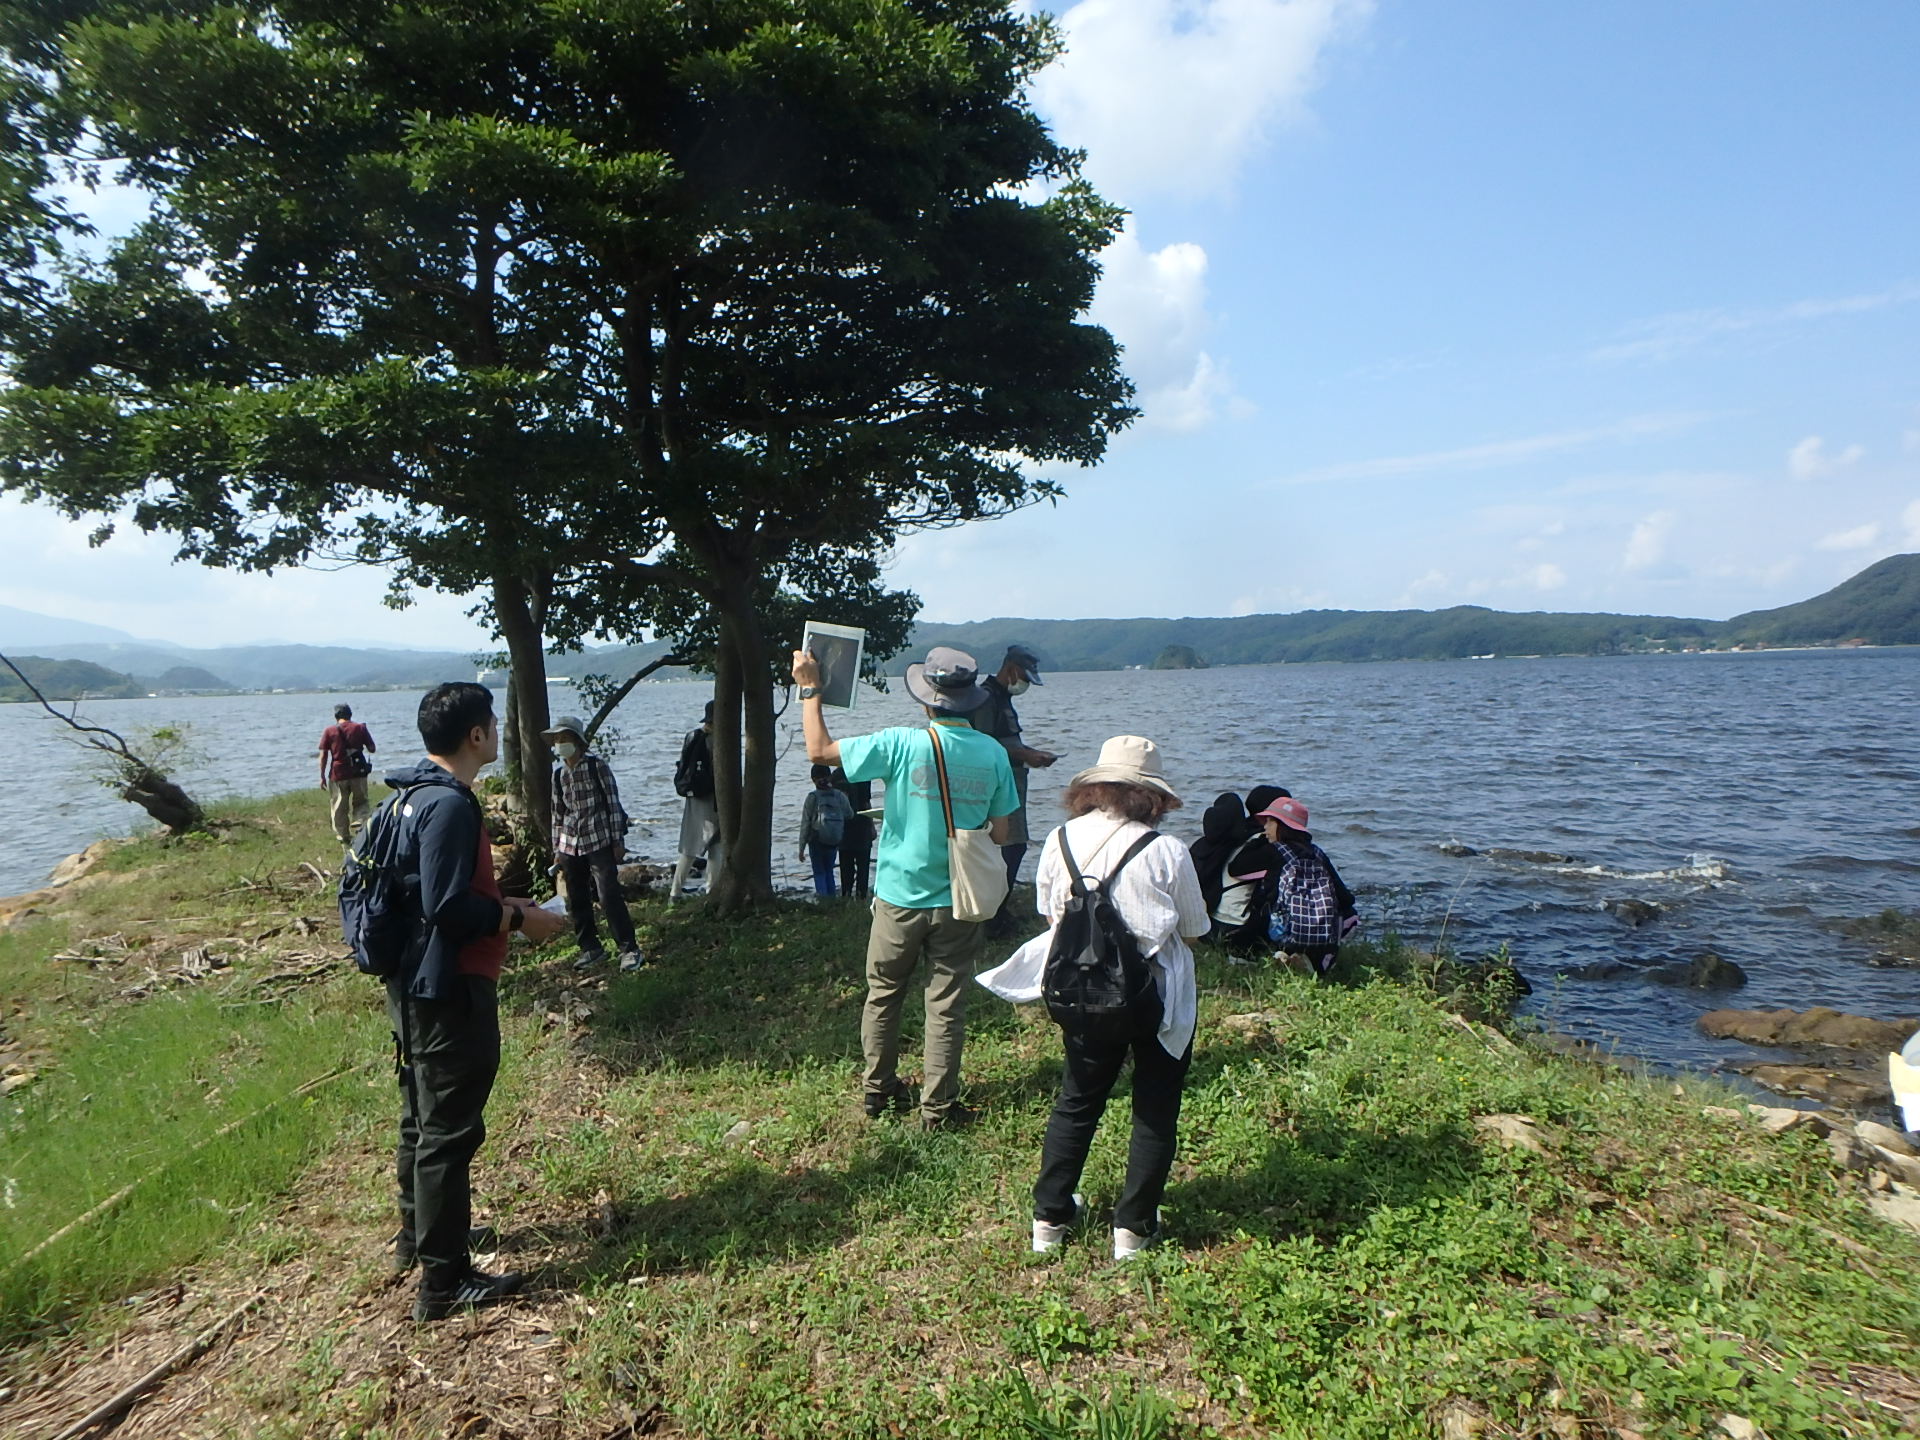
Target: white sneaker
<point>1129,1243</point>
<point>1048,1237</point>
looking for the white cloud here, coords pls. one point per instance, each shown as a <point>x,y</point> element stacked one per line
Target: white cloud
<point>1664,336</point>
<point>1175,95</point>
<point>1858,538</point>
<point>1910,517</point>
<point>1810,459</point>
<point>1647,546</point>
<point>1547,577</point>
<point>1495,453</point>
<point>1155,303</point>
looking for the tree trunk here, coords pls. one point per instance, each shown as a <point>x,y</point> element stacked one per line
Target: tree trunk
<point>743,758</point>
<point>529,764</point>
<point>164,801</point>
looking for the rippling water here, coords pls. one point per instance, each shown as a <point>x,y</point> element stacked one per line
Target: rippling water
<point>1748,796</point>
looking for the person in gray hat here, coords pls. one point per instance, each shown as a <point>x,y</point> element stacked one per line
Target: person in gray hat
<point>589,838</point>
<point>913,896</point>
<point>997,717</point>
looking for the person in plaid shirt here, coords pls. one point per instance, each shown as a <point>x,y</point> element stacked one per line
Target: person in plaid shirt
<point>1316,905</point>
<point>589,838</point>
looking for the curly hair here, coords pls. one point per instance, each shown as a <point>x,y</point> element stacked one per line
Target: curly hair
<point>1133,802</point>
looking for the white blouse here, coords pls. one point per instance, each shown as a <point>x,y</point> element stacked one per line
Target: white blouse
<point>1158,895</point>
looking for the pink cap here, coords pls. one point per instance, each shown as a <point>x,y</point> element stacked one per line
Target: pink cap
<point>1288,811</point>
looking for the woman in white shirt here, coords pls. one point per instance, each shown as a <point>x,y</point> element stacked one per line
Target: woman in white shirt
<point>1112,805</point>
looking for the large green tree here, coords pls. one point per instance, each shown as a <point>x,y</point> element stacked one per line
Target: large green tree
<point>605,310</point>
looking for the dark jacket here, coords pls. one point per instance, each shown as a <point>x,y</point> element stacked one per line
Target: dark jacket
<point>440,842</point>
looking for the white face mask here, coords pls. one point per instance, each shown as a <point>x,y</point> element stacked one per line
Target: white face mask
<point>1019,687</point>
<point>565,749</point>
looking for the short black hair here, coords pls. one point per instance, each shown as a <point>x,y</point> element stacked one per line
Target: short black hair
<point>449,711</point>
<point>706,716</point>
<point>343,712</point>
<point>823,772</point>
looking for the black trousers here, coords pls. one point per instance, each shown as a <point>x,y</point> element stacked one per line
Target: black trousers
<point>449,1051</point>
<point>590,876</point>
<point>856,865</point>
<point>1092,1068</point>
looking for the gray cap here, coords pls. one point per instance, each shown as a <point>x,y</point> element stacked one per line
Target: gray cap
<point>949,680</point>
<point>1028,662</point>
<point>565,725</point>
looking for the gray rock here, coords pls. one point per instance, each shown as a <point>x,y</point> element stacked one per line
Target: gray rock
<point>1515,1132</point>
<point>1635,912</point>
<point>1710,972</point>
<point>1457,850</point>
<point>1531,857</point>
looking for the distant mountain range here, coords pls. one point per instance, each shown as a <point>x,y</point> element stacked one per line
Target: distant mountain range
<point>1879,606</point>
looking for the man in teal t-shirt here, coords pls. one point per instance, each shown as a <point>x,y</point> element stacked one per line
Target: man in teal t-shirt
<point>913,896</point>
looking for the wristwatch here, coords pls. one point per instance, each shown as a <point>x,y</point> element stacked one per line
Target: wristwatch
<point>809,692</point>
<point>519,917</point>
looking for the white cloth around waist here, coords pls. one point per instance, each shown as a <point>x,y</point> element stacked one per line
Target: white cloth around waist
<point>1158,895</point>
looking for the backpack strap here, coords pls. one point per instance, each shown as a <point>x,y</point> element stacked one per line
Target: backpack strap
<point>1080,885</point>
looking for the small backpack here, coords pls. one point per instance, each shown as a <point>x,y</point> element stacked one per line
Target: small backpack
<point>1096,982</point>
<point>379,899</point>
<point>693,776</point>
<point>831,811</point>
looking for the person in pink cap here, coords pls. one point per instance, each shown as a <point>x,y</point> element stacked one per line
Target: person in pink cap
<point>1311,898</point>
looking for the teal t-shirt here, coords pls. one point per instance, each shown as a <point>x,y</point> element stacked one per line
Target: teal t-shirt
<point>911,868</point>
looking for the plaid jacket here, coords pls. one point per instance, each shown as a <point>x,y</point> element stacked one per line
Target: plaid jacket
<point>586,807</point>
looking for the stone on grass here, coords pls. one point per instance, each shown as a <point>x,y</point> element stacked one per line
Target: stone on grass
<point>1778,1119</point>
<point>1251,1023</point>
<point>1516,1132</point>
<point>1897,1209</point>
<point>738,1133</point>
<point>1885,1136</point>
<point>1738,1427</point>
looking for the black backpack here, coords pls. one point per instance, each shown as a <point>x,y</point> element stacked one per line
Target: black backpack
<point>379,898</point>
<point>693,776</point>
<point>1096,982</point>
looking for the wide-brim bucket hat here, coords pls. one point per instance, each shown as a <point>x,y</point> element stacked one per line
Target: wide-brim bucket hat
<point>1289,812</point>
<point>948,680</point>
<point>565,725</point>
<point>1128,760</point>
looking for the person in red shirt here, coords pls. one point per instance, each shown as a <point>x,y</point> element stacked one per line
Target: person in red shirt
<point>344,767</point>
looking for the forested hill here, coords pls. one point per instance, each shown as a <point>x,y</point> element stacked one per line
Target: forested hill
<point>1880,606</point>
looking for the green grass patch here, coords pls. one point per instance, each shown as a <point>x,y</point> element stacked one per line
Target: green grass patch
<point>720,1236</point>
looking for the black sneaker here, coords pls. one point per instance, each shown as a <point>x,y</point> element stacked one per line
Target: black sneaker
<point>955,1117</point>
<point>476,1288</point>
<point>896,1101</point>
<point>405,1257</point>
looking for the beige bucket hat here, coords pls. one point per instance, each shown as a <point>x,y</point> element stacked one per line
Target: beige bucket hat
<point>1128,760</point>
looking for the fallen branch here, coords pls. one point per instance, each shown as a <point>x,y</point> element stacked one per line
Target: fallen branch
<point>180,1358</point>
<point>1852,1246</point>
<point>125,1190</point>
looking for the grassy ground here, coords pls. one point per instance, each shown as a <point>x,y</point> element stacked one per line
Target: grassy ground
<point>723,1246</point>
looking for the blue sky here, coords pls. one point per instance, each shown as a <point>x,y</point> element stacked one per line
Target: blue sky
<point>1538,306</point>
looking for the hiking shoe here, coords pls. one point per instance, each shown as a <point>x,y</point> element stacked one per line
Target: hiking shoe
<point>590,958</point>
<point>475,1288</point>
<point>1048,1237</point>
<point>956,1117</point>
<point>1129,1243</point>
<point>480,1237</point>
<point>631,960</point>
<point>896,1101</point>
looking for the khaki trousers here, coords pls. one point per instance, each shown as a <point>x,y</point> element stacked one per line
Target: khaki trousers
<point>898,942</point>
<point>349,806</point>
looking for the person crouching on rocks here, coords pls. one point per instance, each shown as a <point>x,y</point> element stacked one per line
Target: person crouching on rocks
<point>1312,899</point>
<point>1111,840</point>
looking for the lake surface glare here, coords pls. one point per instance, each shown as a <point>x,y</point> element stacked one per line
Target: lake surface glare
<point>1750,797</point>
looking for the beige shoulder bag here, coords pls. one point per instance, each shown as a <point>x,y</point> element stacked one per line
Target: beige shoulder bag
<point>974,864</point>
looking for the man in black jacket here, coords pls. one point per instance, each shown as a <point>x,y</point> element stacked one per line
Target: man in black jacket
<point>444,1007</point>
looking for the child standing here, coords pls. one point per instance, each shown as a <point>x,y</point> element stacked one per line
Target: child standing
<point>1316,905</point>
<point>823,824</point>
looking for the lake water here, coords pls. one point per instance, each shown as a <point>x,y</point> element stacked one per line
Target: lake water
<point>1748,796</point>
